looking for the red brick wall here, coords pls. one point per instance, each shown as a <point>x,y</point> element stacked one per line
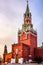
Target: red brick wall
<point>23,51</point>
<point>33,45</point>
<point>8,56</point>
<point>25,38</point>
<point>29,39</point>
<point>39,52</point>
<point>26,52</point>
<point>19,47</point>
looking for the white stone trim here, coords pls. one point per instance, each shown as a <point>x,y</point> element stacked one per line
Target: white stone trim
<point>27,33</point>
<point>31,33</point>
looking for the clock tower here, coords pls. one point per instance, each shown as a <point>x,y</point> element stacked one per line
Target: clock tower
<point>27,34</point>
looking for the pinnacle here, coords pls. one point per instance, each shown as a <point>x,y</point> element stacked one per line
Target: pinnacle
<point>27,9</point>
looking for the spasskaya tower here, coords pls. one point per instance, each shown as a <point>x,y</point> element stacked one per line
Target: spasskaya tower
<point>27,34</point>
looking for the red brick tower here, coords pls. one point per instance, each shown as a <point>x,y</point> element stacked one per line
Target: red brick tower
<point>28,35</point>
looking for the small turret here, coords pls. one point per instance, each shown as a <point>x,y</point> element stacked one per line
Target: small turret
<point>5,49</point>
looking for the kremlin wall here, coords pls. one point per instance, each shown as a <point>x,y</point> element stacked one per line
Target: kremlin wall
<point>27,42</point>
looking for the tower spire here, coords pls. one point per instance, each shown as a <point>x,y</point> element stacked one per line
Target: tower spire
<point>27,9</point>
<point>27,1</point>
<point>5,49</point>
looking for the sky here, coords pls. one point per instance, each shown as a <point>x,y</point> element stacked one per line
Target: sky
<point>12,18</point>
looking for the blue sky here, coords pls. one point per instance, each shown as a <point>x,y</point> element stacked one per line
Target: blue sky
<point>11,18</point>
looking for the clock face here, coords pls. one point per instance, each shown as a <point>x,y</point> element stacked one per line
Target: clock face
<point>23,36</point>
